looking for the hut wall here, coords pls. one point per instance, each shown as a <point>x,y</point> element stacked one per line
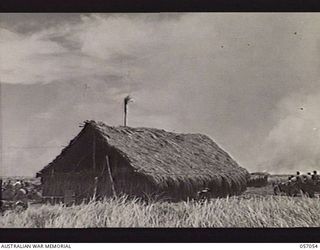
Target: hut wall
<point>125,180</point>
<point>82,183</point>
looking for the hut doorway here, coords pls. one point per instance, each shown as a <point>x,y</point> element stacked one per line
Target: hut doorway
<point>104,182</point>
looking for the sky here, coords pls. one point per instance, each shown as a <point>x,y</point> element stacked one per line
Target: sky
<point>250,81</point>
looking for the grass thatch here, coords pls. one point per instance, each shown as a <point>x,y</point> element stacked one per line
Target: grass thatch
<point>184,161</point>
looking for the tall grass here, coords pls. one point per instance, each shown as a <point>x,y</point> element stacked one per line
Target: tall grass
<point>267,211</point>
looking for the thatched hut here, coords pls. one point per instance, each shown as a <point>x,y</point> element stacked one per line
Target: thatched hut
<point>104,161</point>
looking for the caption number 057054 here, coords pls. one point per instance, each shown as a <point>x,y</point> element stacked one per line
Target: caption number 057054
<point>309,246</point>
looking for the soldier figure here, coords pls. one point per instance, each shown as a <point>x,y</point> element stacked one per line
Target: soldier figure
<point>8,191</point>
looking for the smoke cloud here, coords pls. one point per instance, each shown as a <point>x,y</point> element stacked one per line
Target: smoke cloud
<point>293,144</point>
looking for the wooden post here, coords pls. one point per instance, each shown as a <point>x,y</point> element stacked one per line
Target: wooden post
<point>110,176</point>
<point>94,153</point>
<point>103,167</point>
<point>95,188</point>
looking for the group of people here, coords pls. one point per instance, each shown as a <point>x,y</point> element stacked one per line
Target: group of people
<point>16,192</point>
<point>308,184</point>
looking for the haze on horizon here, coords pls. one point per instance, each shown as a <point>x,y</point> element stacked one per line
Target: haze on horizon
<point>250,81</point>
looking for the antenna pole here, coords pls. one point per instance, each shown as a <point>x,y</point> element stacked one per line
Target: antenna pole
<point>125,113</point>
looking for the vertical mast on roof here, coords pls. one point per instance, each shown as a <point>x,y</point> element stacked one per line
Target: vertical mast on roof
<point>126,100</point>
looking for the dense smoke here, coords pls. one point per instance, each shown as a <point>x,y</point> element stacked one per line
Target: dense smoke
<point>294,143</point>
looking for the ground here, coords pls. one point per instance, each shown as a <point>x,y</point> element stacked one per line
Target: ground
<point>257,207</point>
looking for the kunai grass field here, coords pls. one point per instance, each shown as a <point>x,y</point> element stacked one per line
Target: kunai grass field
<point>242,211</point>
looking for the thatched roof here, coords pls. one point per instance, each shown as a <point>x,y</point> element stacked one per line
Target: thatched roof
<point>166,157</point>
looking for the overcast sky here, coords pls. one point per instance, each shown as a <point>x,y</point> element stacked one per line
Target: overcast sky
<point>249,81</point>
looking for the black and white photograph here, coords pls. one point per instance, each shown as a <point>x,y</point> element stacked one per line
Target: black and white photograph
<point>160,120</point>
